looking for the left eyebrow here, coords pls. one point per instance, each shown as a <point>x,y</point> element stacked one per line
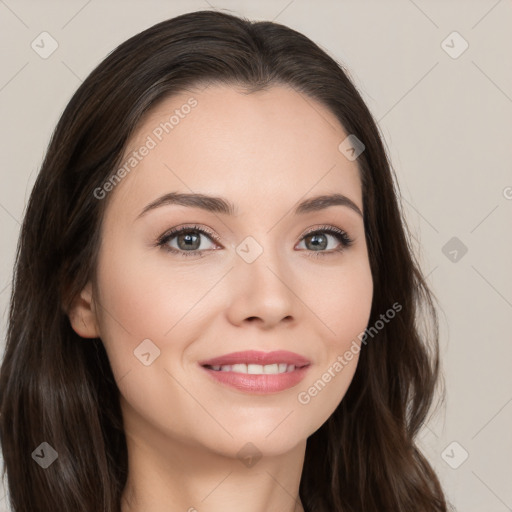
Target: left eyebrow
<point>222,205</point>
<point>321,202</point>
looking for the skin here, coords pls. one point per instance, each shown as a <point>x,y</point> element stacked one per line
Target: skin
<point>264,152</point>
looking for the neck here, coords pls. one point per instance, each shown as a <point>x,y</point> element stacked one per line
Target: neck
<point>171,475</point>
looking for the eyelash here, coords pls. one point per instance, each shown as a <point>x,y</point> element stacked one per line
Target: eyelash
<point>339,234</point>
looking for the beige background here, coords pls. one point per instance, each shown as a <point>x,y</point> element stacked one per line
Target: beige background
<point>447,123</point>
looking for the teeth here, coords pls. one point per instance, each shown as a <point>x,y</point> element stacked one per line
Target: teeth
<point>252,369</point>
<point>256,369</point>
<point>268,368</point>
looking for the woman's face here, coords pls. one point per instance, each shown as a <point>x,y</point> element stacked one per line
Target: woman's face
<point>257,281</point>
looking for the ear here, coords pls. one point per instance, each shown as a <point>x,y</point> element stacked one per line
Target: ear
<point>82,314</point>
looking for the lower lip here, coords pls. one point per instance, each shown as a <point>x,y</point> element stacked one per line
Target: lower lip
<point>261,384</point>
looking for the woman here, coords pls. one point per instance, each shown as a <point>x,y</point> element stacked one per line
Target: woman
<point>215,303</point>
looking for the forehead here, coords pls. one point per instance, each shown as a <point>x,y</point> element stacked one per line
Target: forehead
<point>278,144</point>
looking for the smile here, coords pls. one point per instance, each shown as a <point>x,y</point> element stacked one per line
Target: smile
<point>255,369</point>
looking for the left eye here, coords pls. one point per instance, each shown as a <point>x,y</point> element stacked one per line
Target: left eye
<point>319,240</point>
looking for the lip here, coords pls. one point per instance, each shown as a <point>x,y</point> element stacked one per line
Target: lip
<point>257,357</point>
<point>258,384</point>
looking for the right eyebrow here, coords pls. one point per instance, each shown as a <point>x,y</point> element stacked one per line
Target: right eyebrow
<point>208,203</point>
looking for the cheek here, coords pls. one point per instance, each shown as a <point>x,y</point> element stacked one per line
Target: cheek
<point>132,305</point>
<point>343,305</point>
<point>145,296</point>
<point>342,301</point>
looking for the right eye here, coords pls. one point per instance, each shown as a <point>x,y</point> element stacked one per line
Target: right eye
<point>188,240</point>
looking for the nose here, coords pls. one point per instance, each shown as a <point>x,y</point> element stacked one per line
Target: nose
<point>262,292</point>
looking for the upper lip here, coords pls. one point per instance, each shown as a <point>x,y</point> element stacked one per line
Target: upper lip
<point>257,357</point>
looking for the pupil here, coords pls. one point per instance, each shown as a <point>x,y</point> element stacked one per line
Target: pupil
<point>316,244</point>
<point>189,242</point>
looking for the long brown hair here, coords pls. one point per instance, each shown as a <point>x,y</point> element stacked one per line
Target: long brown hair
<point>58,388</point>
